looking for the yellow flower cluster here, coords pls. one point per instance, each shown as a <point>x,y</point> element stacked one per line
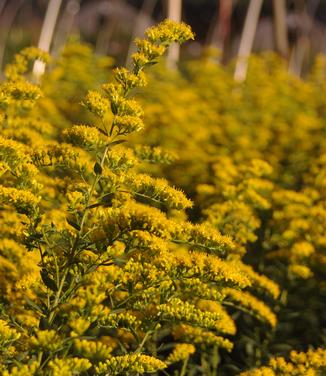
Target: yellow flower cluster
<point>169,31</point>
<point>7,335</point>
<point>69,366</point>
<point>298,229</point>
<point>120,320</point>
<point>19,66</point>
<point>130,363</point>
<point>134,216</point>
<point>24,201</point>
<point>24,370</point>
<point>256,172</point>
<point>201,336</point>
<point>62,156</point>
<point>96,103</point>
<point>84,136</point>
<point>248,301</point>
<point>19,90</point>
<point>256,146</point>
<point>205,237</point>
<point>311,363</point>
<point>178,310</point>
<point>209,267</point>
<point>47,340</point>
<point>315,358</point>
<point>105,258</point>
<point>238,191</point>
<point>92,350</point>
<point>143,240</point>
<point>301,271</point>
<point>114,268</point>
<point>154,154</point>
<point>158,190</point>
<point>181,352</point>
<point>259,281</point>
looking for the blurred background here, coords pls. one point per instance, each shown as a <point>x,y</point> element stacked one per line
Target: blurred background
<point>294,28</point>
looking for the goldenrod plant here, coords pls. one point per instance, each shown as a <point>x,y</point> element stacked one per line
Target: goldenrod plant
<point>254,165</point>
<point>312,362</point>
<point>101,272</point>
<point>75,71</point>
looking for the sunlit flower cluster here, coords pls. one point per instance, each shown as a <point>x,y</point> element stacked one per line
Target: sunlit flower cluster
<point>109,269</point>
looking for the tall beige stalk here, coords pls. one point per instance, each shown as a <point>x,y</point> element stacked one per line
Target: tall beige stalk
<point>280,28</point>
<point>174,14</point>
<point>2,5</point>
<point>106,30</point>
<point>299,55</point>
<point>220,29</point>
<point>140,25</point>
<point>305,13</point>
<point>247,39</point>
<point>46,35</point>
<point>8,14</point>
<point>65,25</point>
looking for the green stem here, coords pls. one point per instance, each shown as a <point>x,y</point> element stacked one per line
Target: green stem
<point>143,342</point>
<point>184,367</point>
<point>82,223</point>
<point>57,297</point>
<point>215,360</point>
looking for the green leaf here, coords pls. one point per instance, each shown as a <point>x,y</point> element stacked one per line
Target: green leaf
<point>102,131</point>
<point>153,62</point>
<point>43,323</point>
<point>96,205</point>
<point>33,305</point>
<point>49,282</point>
<point>98,169</point>
<point>107,199</point>
<point>73,224</point>
<point>114,108</point>
<point>117,142</point>
<point>232,368</point>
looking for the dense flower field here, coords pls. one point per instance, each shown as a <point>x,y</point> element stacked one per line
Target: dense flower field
<point>194,246</point>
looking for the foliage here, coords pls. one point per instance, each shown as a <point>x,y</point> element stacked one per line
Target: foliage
<point>309,363</point>
<point>108,268</point>
<point>253,162</point>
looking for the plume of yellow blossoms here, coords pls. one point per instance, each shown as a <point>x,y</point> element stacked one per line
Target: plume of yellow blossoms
<point>310,363</point>
<point>101,271</point>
